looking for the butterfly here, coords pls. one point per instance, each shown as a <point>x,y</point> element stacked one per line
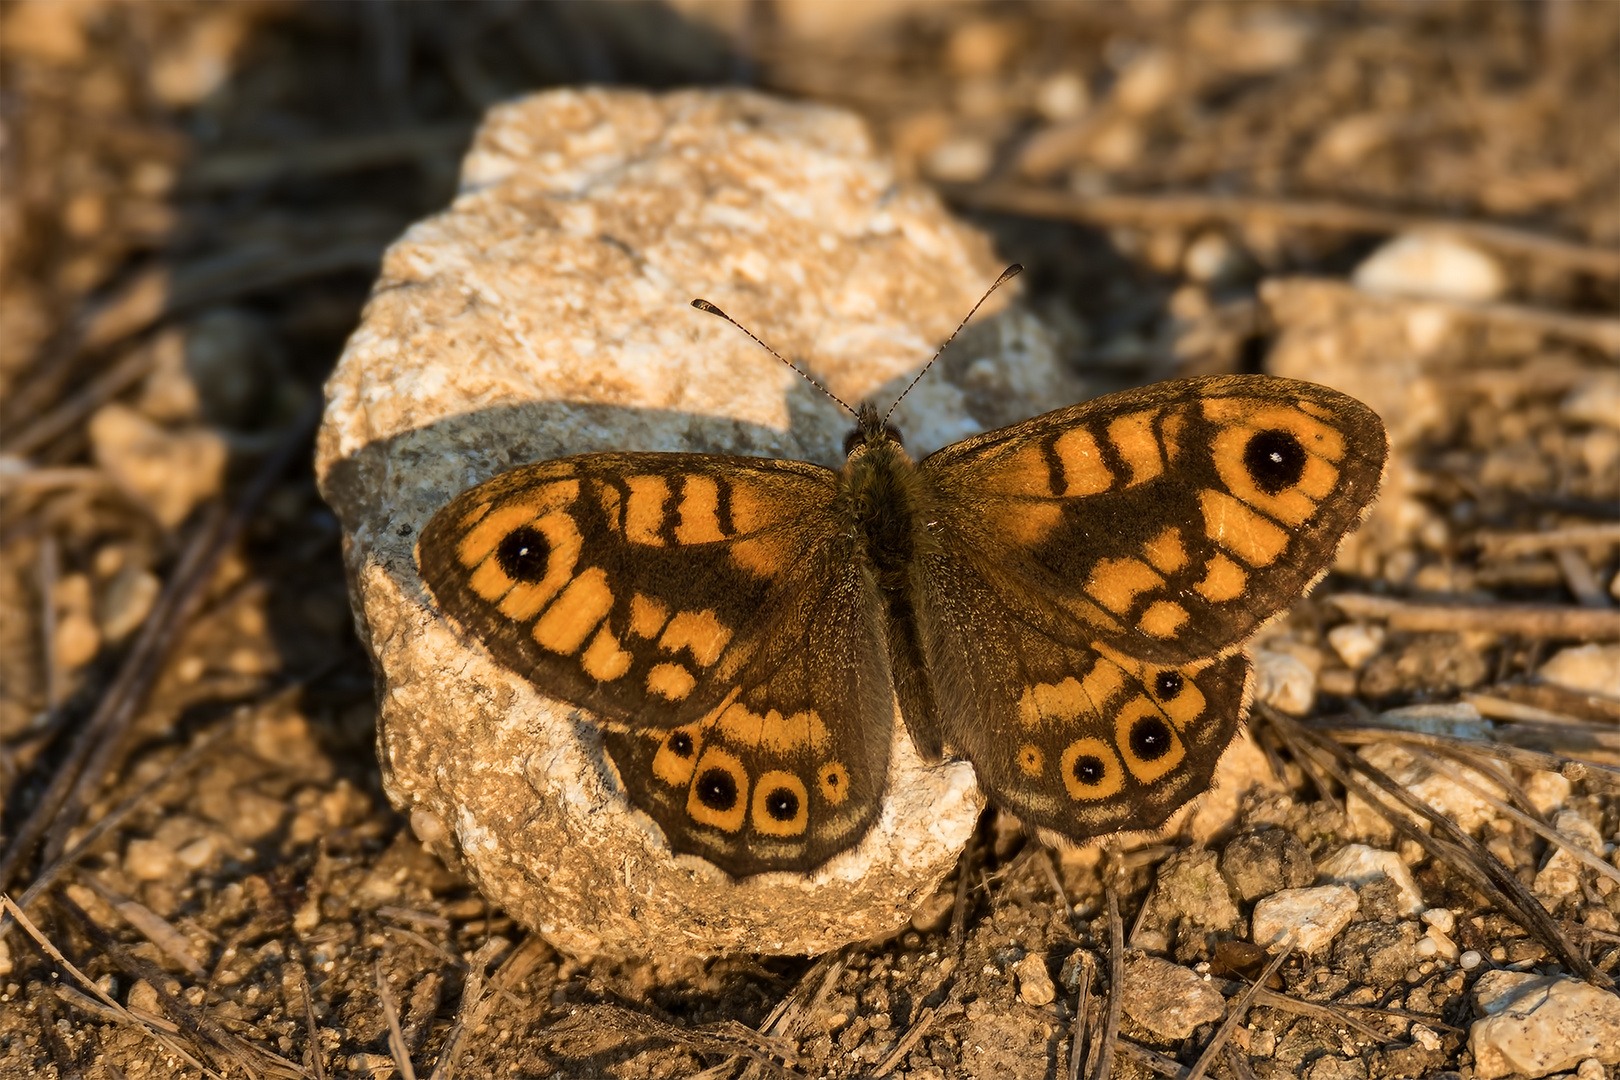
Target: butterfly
<point>1062,602</point>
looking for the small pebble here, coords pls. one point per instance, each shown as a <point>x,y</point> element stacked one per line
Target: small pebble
<point>1442,919</point>
<point>1442,794</point>
<point>1313,917</point>
<point>1595,401</point>
<point>199,853</point>
<point>142,995</point>
<point>1284,682</point>
<point>1356,643</point>
<point>76,640</point>
<point>1590,669</point>
<point>1063,96</point>
<point>1261,863</point>
<point>1560,878</point>
<point>148,860</point>
<point>1073,969</point>
<point>962,159</point>
<point>1547,791</point>
<point>1432,265</point>
<point>127,600</point>
<point>1358,865</point>
<point>1213,257</point>
<point>930,915</point>
<point>1470,960</point>
<point>170,471</point>
<point>1168,999</point>
<point>1034,984</point>
<point>1147,81</point>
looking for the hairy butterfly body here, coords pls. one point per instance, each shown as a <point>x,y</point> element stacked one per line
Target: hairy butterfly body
<point>1063,602</point>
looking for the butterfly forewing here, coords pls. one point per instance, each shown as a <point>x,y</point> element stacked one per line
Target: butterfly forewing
<point>1168,522</point>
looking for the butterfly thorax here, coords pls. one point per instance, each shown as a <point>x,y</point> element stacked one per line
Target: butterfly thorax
<point>885,497</point>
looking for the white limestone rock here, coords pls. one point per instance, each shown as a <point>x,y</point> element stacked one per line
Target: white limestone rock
<point>1539,1024</point>
<point>1586,669</point>
<point>1443,794</point>
<point>1357,865</point>
<point>1169,1000</point>
<point>546,313</point>
<point>1312,917</point>
<point>1433,265</point>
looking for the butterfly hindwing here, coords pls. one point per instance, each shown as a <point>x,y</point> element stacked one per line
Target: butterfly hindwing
<point>710,613</point>
<point>1076,739</point>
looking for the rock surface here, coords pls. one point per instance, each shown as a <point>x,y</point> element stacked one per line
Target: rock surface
<point>1357,865</point>
<point>1311,917</point>
<point>1168,999</point>
<point>546,313</point>
<point>1536,1024</point>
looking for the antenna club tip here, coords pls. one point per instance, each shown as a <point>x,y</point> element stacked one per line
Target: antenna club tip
<point>1011,272</point>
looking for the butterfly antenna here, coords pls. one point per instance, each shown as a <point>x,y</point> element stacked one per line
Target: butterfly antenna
<point>704,305</point>
<point>1006,275</point>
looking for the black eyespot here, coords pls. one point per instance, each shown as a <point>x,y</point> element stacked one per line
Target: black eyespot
<point>523,554</point>
<point>1168,685</point>
<point>782,804</point>
<point>680,744</point>
<point>717,789</point>
<point>1089,769</point>
<point>1151,738</point>
<point>1275,460</point>
<point>830,778</point>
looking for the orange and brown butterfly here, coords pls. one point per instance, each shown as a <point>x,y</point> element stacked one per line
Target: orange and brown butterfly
<point>1062,602</point>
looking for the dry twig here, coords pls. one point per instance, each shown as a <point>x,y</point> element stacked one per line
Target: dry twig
<point>1521,620</point>
<point>1189,209</point>
<point>1236,1012</point>
<point>118,1011</point>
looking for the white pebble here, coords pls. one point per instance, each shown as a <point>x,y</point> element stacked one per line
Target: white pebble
<point>1313,917</point>
<point>1284,682</point>
<point>1432,265</point>
<point>171,471</point>
<point>1590,669</point>
<point>1034,984</point>
<point>1062,96</point>
<point>148,860</point>
<point>127,600</point>
<point>1356,643</point>
<point>1595,401</point>
<point>1357,865</point>
<point>1470,960</point>
<point>961,160</point>
<point>1539,1024</point>
<point>1442,919</point>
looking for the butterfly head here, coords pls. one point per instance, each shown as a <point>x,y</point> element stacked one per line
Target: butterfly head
<point>872,428</point>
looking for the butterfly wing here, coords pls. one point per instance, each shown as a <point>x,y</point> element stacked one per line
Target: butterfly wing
<point>1076,738</point>
<point>710,612</point>
<point>1168,522</point>
<point>1095,571</point>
